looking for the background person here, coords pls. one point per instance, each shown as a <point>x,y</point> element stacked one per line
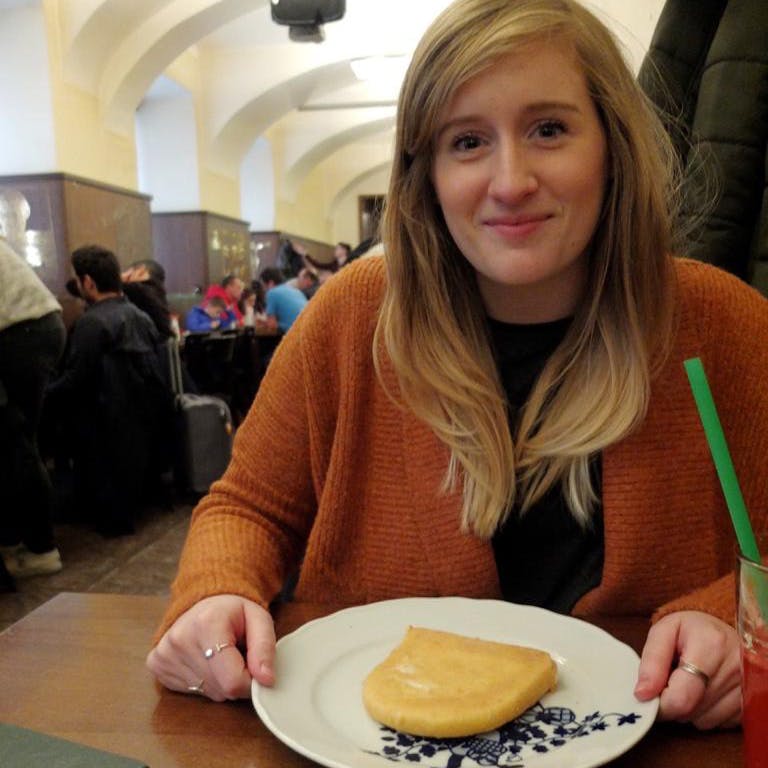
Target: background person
<point>211,315</point>
<point>32,338</point>
<point>508,380</point>
<point>284,303</point>
<point>341,253</point>
<point>144,286</point>
<point>229,291</point>
<point>307,281</point>
<point>113,395</point>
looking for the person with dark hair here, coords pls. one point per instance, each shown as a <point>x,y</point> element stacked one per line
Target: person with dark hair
<point>32,340</point>
<point>341,252</point>
<point>498,407</point>
<point>284,302</point>
<point>115,394</point>
<point>211,315</point>
<point>144,286</point>
<point>230,290</point>
<point>307,281</point>
<point>361,249</point>
<point>291,257</point>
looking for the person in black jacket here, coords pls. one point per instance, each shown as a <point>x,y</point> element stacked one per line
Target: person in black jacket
<point>114,392</point>
<point>144,286</point>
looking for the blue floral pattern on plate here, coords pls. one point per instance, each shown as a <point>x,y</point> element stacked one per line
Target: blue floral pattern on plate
<point>540,730</point>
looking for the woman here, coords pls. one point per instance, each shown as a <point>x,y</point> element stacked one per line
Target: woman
<point>498,408</point>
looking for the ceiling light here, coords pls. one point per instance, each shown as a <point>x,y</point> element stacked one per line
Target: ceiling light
<point>373,68</point>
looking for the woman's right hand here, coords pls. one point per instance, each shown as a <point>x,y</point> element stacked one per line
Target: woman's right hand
<point>202,652</point>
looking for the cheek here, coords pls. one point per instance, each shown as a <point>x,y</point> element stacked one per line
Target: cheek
<point>453,193</point>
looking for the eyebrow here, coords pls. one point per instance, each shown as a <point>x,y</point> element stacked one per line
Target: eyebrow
<point>533,108</point>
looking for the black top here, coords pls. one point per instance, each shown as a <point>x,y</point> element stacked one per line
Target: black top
<point>544,557</point>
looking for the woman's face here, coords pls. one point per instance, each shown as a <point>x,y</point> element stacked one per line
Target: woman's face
<point>519,170</point>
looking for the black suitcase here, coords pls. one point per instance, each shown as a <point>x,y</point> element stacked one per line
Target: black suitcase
<point>203,433</point>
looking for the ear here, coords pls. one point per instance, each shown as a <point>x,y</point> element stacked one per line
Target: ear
<point>89,286</point>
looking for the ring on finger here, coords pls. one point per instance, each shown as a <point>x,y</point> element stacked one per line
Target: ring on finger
<point>692,669</point>
<point>197,687</point>
<point>209,653</point>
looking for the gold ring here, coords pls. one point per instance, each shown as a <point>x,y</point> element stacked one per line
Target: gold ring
<point>692,669</point>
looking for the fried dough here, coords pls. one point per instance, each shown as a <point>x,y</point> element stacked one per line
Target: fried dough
<point>441,684</point>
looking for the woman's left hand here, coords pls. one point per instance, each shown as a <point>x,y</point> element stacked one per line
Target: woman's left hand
<point>705,642</point>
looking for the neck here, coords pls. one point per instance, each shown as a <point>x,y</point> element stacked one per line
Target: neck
<point>99,296</point>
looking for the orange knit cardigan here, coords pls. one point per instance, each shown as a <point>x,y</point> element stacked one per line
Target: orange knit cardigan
<point>328,472</point>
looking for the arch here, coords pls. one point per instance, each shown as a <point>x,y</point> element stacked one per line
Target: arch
<point>153,45</point>
<point>92,31</point>
<point>299,170</point>
<point>230,144</point>
<point>356,181</point>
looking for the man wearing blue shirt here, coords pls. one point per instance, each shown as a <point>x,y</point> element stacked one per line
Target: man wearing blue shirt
<point>284,302</point>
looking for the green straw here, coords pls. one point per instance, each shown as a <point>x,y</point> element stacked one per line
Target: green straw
<point>722,458</point>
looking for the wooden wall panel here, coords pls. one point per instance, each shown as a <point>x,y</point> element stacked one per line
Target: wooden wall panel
<point>228,248</point>
<point>116,219</point>
<point>198,248</point>
<point>179,245</point>
<point>67,212</point>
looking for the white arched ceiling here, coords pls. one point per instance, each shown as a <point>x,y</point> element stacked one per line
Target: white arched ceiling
<point>355,182</point>
<point>297,171</point>
<point>340,169</point>
<point>252,76</point>
<point>92,29</point>
<point>152,47</point>
<point>231,142</point>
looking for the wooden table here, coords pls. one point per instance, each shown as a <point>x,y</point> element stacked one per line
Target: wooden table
<point>74,668</point>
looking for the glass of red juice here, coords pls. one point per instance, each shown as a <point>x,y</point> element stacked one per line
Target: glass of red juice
<point>752,593</point>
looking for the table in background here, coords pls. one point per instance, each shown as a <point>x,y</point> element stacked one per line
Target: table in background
<point>230,364</point>
<point>74,668</point>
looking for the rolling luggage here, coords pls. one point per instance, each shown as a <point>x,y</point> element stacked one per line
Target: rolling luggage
<point>202,431</point>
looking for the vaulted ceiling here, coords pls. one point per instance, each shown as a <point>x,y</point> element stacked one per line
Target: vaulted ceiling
<point>253,81</point>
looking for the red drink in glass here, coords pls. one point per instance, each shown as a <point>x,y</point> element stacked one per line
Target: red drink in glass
<point>755,718</point>
<point>752,624</point>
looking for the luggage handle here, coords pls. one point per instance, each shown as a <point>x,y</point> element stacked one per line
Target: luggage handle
<point>174,362</point>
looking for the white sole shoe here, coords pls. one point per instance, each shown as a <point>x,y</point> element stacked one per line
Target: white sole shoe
<point>26,563</point>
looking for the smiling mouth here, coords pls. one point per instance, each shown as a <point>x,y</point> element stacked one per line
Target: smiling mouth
<point>517,227</point>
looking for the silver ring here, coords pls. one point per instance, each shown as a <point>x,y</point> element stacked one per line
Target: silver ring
<point>198,688</point>
<point>218,648</point>
<point>692,669</point>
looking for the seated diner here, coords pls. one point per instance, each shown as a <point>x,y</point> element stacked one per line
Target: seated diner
<point>497,407</point>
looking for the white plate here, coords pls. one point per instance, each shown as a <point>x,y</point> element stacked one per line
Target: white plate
<point>316,706</point>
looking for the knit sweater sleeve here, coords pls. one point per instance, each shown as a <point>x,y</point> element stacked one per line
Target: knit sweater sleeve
<point>249,533</point>
<point>249,530</point>
<point>733,322</point>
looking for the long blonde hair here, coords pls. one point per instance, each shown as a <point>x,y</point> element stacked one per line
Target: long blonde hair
<point>595,387</point>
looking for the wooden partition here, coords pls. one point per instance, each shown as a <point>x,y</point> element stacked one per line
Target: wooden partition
<point>198,248</point>
<point>58,212</point>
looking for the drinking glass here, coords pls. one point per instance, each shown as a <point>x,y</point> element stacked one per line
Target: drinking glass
<point>752,594</point>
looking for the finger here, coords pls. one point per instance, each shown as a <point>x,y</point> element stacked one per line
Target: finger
<point>178,665</point>
<point>656,659</point>
<point>227,668</point>
<point>178,677</point>
<point>260,635</point>
<point>682,696</point>
<point>723,712</point>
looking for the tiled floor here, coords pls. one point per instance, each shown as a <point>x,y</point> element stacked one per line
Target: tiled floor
<point>143,563</point>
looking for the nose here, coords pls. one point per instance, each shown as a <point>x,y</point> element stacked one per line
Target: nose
<point>513,177</point>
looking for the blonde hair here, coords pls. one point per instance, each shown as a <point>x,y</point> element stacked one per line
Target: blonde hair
<point>594,390</point>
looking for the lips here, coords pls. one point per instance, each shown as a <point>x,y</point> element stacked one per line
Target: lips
<point>518,226</point>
